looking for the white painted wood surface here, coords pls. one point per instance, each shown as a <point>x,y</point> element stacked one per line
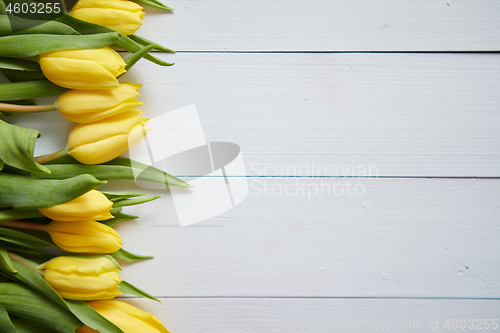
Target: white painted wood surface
<point>403,114</point>
<point>400,126</point>
<point>239,315</point>
<point>327,238</point>
<point>323,25</point>
<point>334,114</point>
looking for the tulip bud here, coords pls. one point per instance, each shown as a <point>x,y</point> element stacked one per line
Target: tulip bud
<point>123,16</point>
<point>83,69</point>
<point>84,236</point>
<point>103,140</point>
<point>127,317</point>
<point>93,205</point>
<point>85,106</point>
<point>82,278</point>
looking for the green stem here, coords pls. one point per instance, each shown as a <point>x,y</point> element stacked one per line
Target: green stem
<point>49,157</point>
<point>27,108</point>
<point>134,57</point>
<point>24,225</point>
<point>25,262</point>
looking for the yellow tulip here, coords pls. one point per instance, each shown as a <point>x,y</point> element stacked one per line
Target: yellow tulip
<point>82,278</point>
<point>85,106</point>
<point>123,16</point>
<point>83,69</point>
<point>127,317</point>
<point>93,205</point>
<point>103,140</point>
<point>84,236</point>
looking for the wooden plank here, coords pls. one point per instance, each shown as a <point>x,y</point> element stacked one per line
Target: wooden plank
<point>331,114</point>
<point>291,237</point>
<point>321,25</point>
<point>340,114</point>
<point>322,315</point>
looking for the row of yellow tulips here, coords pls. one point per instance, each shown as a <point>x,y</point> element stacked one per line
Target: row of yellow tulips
<point>108,125</point>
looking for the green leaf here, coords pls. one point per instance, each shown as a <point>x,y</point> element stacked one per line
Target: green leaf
<point>132,202</point>
<point>6,325</point>
<point>17,145</point>
<point>22,46</point>
<point>21,76</point>
<point>127,288</point>
<point>29,253</point>
<point>5,262</point>
<point>19,65</point>
<point>118,218</point>
<point>127,256</point>
<point>24,325</point>
<point>24,302</point>
<point>115,195</point>
<point>29,89</point>
<point>22,101</point>
<point>5,27</point>
<point>38,234</point>
<point>14,214</point>
<point>21,192</point>
<point>153,3</point>
<point>66,167</point>
<point>124,43</point>
<point>91,317</point>
<point>2,8</point>
<point>32,279</point>
<point>148,173</point>
<point>21,238</point>
<point>143,42</point>
<point>139,54</point>
<point>80,309</point>
<point>49,27</point>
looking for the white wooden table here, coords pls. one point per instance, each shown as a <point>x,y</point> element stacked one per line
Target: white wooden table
<point>400,98</point>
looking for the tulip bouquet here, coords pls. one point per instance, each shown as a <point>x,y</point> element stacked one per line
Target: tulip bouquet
<point>59,253</point>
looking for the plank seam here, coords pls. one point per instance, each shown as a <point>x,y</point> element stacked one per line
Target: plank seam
<point>330,52</point>
<point>341,177</point>
<point>324,297</point>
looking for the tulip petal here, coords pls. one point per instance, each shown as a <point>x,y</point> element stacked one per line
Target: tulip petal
<point>129,318</point>
<point>83,279</point>
<point>108,149</point>
<point>77,74</point>
<point>112,4</point>
<point>92,205</point>
<point>123,16</point>
<point>84,236</point>
<point>122,21</point>
<point>105,56</point>
<point>96,116</point>
<point>122,123</point>
<point>135,85</point>
<point>76,102</point>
